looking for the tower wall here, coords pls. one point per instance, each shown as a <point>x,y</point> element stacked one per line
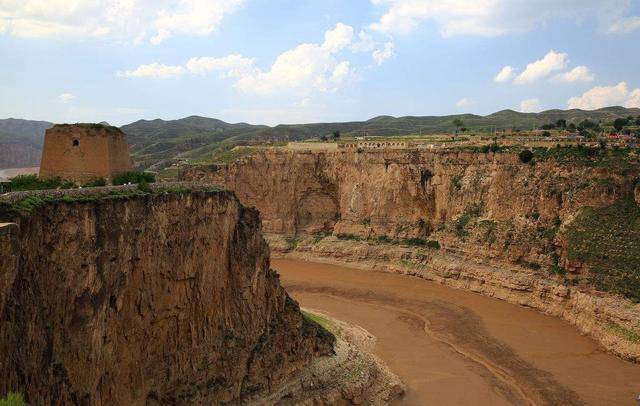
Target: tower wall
<point>83,152</point>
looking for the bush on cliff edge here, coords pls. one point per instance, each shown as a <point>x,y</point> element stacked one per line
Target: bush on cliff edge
<point>134,177</point>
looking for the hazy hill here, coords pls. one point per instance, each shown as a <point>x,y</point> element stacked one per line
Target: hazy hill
<point>156,141</point>
<point>21,142</point>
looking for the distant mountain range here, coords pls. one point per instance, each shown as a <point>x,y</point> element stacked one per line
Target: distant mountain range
<point>154,142</point>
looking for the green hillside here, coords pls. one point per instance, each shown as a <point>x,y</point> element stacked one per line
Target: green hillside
<point>156,143</point>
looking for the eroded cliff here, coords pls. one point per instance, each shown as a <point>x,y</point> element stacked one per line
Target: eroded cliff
<point>555,233</point>
<point>144,298</point>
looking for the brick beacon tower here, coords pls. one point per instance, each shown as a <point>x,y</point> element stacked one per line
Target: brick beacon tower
<point>82,152</point>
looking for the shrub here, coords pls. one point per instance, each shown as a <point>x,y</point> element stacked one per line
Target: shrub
<point>96,182</point>
<point>419,242</point>
<point>134,177</point>
<point>352,237</point>
<point>525,156</point>
<point>32,182</point>
<point>494,147</point>
<point>12,399</point>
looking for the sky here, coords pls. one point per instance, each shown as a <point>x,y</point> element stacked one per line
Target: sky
<point>300,61</point>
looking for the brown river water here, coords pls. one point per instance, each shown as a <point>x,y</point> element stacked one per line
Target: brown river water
<point>451,347</point>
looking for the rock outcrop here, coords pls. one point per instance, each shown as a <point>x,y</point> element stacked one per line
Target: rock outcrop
<point>479,212</point>
<point>156,298</point>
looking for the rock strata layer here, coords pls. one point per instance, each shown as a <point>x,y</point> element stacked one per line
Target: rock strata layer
<point>559,233</point>
<point>162,298</point>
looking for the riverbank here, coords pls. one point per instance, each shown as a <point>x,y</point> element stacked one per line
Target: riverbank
<point>612,321</point>
<point>439,340</point>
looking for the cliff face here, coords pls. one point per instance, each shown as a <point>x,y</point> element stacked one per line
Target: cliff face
<point>553,234</point>
<point>157,299</point>
<point>405,194</point>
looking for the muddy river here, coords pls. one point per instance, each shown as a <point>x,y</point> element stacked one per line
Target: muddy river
<point>451,347</point>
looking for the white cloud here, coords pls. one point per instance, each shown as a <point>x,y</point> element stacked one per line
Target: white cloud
<point>633,100</point>
<point>497,17</point>
<point>66,97</point>
<point>625,25</point>
<point>365,43</point>
<point>299,71</point>
<point>338,38</point>
<point>122,20</point>
<point>229,66</point>
<point>552,61</point>
<point>530,106</point>
<point>464,102</point>
<point>577,74</point>
<point>306,102</point>
<point>381,55</point>
<point>304,68</point>
<point>506,74</point>
<point>153,70</point>
<point>604,96</point>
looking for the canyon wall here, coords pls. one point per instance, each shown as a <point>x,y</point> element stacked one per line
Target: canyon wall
<point>560,228</point>
<point>155,298</point>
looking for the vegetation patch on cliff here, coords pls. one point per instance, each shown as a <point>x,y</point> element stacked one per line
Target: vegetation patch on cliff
<point>22,204</point>
<point>607,240</point>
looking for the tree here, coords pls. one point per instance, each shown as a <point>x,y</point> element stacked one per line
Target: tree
<point>562,123</point>
<point>549,126</point>
<point>525,156</point>
<point>638,120</point>
<point>572,127</point>
<point>546,134</point>
<point>587,124</point>
<point>458,123</point>
<point>324,138</point>
<point>620,123</point>
<point>336,134</point>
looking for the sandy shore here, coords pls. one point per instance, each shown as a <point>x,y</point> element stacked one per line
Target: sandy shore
<point>452,347</point>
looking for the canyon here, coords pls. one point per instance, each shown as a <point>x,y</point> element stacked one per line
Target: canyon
<point>558,234</point>
<point>165,296</point>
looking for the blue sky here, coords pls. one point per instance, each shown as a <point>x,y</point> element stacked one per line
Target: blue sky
<point>284,61</point>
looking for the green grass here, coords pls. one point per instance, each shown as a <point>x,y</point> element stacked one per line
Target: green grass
<point>325,327</point>
<point>27,204</point>
<point>12,399</point>
<point>624,332</point>
<point>608,240</point>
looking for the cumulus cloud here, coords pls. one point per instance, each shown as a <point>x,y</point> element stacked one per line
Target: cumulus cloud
<point>365,42</point>
<point>505,75</point>
<point>577,74</point>
<point>497,17</point>
<point>306,67</point>
<point>604,96</point>
<point>530,106</point>
<point>381,55</point>
<point>123,20</point>
<point>153,70</point>
<point>463,102</point>
<point>229,66</point>
<point>66,97</point>
<point>633,100</point>
<point>552,61</point>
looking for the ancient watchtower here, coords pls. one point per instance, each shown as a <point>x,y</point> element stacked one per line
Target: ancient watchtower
<point>82,152</point>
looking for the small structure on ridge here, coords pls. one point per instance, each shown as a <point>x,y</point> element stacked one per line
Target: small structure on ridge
<point>83,152</point>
